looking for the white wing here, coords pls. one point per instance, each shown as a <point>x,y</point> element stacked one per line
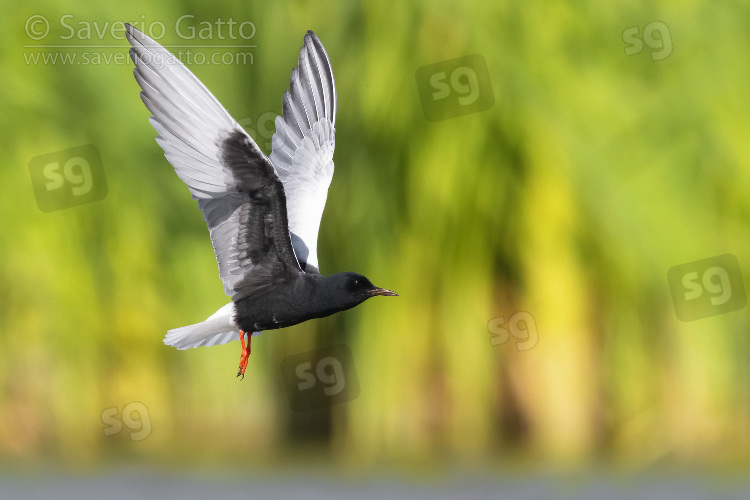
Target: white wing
<point>220,164</point>
<point>303,146</point>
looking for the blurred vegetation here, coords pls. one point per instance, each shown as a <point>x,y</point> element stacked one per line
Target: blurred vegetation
<point>593,174</point>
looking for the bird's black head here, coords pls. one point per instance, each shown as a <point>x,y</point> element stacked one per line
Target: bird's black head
<point>347,290</point>
<point>356,284</point>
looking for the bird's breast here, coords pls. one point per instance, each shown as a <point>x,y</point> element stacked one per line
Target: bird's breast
<point>276,307</point>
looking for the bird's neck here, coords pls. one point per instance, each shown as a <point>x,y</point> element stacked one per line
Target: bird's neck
<point>327,299</point>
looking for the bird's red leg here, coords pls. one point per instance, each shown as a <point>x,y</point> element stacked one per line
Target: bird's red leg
<point>245,353</point>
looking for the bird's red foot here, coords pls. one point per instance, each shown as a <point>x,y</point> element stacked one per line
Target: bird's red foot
<point>245,353</point>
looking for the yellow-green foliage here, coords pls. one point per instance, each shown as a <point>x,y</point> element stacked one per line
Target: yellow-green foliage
<point>592,175</point>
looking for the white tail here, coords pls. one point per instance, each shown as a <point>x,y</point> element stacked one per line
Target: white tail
<point>218,329</point>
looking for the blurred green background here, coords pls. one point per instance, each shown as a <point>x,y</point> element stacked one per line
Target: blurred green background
<point>592,175</point>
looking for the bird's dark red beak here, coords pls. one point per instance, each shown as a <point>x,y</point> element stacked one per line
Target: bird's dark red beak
<point>383,291</point>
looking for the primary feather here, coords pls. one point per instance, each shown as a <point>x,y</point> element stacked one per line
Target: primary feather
<point>303,146</point>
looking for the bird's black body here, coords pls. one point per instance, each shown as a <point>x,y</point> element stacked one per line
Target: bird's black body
<point>293,295</point>
<point>303,296</point>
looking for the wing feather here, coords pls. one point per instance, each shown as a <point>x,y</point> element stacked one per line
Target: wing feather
<point>238,191</point>
<point>303,146</point>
